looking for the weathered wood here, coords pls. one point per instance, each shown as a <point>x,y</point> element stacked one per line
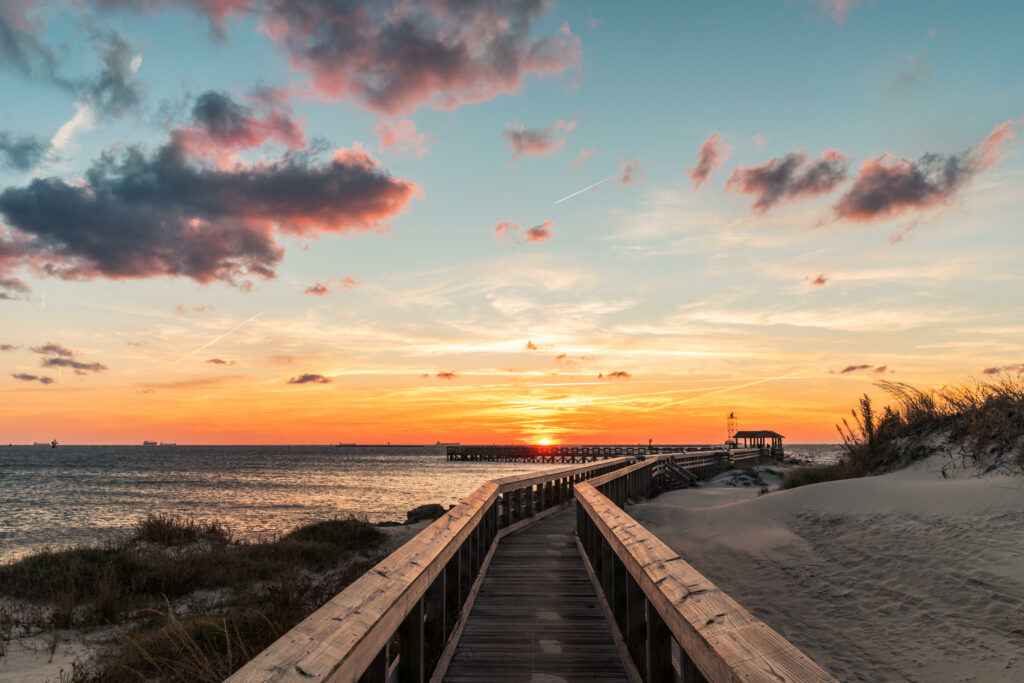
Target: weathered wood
<point>536,615</point>
<point>724,640</point>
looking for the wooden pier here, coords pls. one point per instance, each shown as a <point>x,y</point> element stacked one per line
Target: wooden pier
<point>572,454</point>
<point>500,589</point>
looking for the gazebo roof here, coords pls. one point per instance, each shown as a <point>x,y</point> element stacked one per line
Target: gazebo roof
<point>767,433</point>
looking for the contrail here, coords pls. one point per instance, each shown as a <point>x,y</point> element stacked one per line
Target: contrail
<point>220,337</point>
<point>589,187</point>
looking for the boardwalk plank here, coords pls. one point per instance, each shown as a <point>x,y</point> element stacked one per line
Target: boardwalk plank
<point>537,616</point>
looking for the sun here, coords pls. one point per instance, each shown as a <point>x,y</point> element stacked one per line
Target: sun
<point>544,442</point>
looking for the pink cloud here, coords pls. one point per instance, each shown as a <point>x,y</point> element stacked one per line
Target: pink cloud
<point>216,10</point>
<point>402,137</point>
<point>1018,368</point>
<point>536,141</point>
<point>631,173</point>
<point>818,281</point>
<point>447,375</point>
<point>758,140</point>
<point>394,57</point>
<point>345,284</point>
<point>888,187</point>
<point>513,232</point>
<point>583,156</point>
<point>712,154</point>
<point>837,9</point>
<point>790,178</point>
<point>617,374</point>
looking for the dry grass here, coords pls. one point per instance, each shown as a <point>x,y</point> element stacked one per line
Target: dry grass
<point>985,419</point>
<point>148,581</point>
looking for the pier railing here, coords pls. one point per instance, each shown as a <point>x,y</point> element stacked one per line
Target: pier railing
<point>403,616</point>
<point>659,603</point>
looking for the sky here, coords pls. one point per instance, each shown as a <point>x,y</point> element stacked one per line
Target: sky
<point>317,221</point>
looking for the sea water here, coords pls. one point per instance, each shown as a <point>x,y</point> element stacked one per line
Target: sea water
<point>88,494</point>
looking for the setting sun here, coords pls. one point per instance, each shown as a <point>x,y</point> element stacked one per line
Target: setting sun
<point>544,442</point>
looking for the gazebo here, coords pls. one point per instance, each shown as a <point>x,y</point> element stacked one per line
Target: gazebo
<point>761,438</point>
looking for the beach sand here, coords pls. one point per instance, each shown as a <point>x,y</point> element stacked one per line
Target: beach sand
<point>903,577</point>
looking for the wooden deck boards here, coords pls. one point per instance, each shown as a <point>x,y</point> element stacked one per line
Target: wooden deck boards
<point>537,617</point>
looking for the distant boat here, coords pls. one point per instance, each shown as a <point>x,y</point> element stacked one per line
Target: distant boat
<point>149,443</point>
<point>53,444</point>
<point>338,445</point>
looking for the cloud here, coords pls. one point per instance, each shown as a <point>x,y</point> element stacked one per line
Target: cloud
<point>630,172</point>
<point>8,347</point>
<point>854,368</point>
<point>216,10</point>
<point>20,153</point>
<point>758,140</point>
<point>11,288</point>
<point>78,366</point>
<point>712,154</point>
<point>182,310</point>
<point>881,368</point>
<point>135,343</point>
<point>530,346</point>
<point>837,9</point>
<point>818,281</point>
<point>115,90</point>
<point>446,375</point>
<point>394,57</point>
<point>402,137</point>
<point>138,215</point>
<point>536,141</point>
<point>51,348</point>
<point>510,231</point>
<point>346,284</point>
<point>309,378</point>
<point>617,374</point>
<point>1018,368</point>
<point>220,361</point>
<point>789,178</point>
<point>221,126</point>
<point>583,156</point>
<point>887,187</point>
<point>25,377</point>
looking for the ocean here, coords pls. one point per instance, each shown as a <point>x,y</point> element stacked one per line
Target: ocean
<point>88,494</point>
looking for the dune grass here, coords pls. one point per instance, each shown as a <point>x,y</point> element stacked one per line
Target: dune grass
<point>985,419</point>
<point>147,585</point>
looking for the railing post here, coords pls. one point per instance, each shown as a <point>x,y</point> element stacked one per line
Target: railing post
<point>659,648</point>
<point>529,500</point>
<point>617,599</point>
<point>506,509</point>
<point>410,646</point>
<point>453,597</point>
<point>465,570</point>
<point>607,570</point>
<point>434,635</point>
<point>635,632</point>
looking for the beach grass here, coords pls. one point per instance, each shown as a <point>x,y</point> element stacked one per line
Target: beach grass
<point>190,602</point>
<point>985,420</point>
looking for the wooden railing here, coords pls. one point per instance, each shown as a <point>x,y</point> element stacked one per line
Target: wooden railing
<point>660,603</point>
<point>404,616</point>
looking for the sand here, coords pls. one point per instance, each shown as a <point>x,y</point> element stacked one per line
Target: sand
<point>903,577</point>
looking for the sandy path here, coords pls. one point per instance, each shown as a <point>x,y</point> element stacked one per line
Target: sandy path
<point>905,577</point>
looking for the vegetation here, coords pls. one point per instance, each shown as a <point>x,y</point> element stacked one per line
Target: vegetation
<point>985,420</point>
<point>149,583</point>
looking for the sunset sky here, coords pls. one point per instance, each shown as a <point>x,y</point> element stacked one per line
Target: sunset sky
<point>311,221</point>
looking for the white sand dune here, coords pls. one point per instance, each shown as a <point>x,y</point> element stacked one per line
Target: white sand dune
<point>902,577</point>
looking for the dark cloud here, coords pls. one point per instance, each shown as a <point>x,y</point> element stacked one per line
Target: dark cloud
<point>25,377</point>
<point>221,126</point>
<point>309,378</point>
<point>21,153</point>
<point>916,72</point>
<point>617,374</point>
<point>854,368</point>
<point>51,348</point>
<point>160,215</point>
<point>881,369</point>
<point>446,375</point>
<point>631,173</point>
<point>316,289</point>
<point>1018,368</point>
<point>216,10</point>
<point>346,284</point>
<point>886,187</point>
<point>220,361</point>
<point>115,90</point>
<point>11,287</point>
<point>818,281</point>
<point>78,366</point>
<point>712,154</point>
<point>536,141</point>
<point>395,56</point>
<point>790,178</point>
<point>8,347</point>
<point>23,53</point>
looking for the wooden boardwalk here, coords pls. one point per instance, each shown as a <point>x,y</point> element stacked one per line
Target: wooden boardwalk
<point>537,616</point>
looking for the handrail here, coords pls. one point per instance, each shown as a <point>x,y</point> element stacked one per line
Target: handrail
<point>655,596</point>
<point>416,593</point>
